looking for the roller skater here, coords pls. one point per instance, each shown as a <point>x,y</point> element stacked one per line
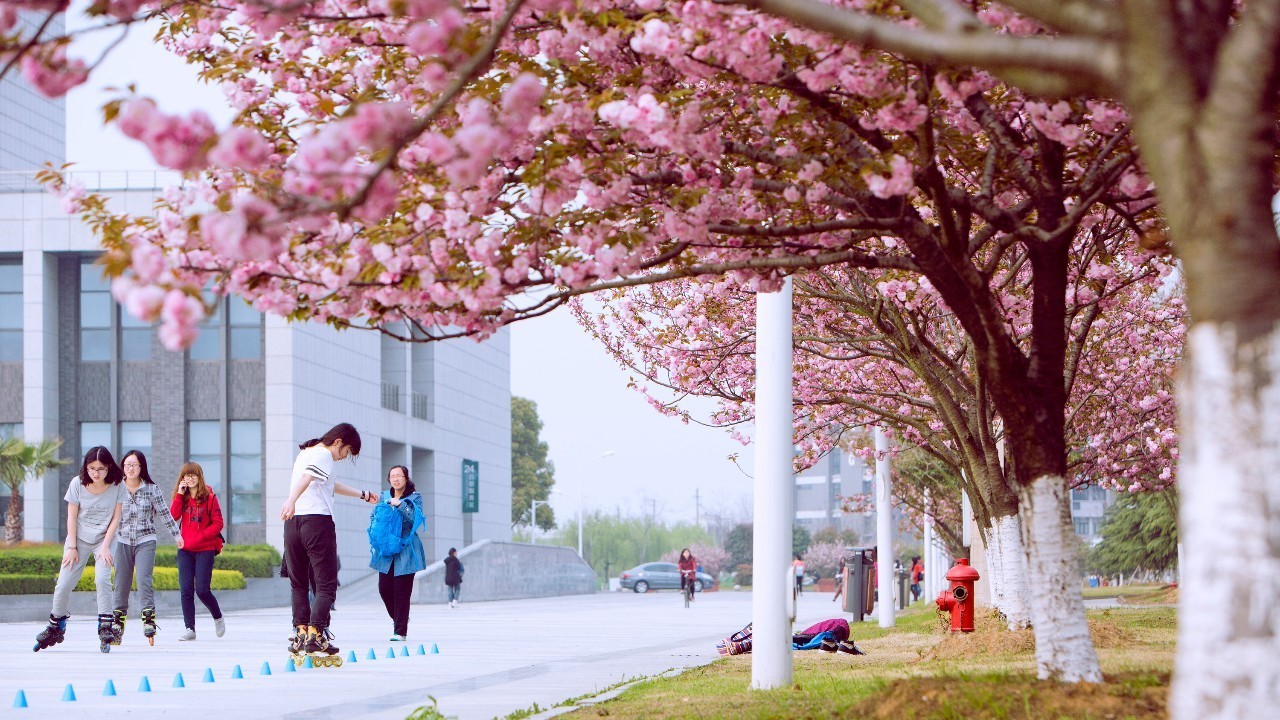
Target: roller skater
<point>93,515</point>
<point>311,539</point>
<point>142,503</point>
<point>149,626</point>
<point>117,627</point>
<point>52,634</point>
<point>298,645</point>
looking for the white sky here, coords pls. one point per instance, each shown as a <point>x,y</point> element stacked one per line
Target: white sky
<point>581,393</point>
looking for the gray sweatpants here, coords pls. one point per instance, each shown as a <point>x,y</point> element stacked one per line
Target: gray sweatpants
<point>69,575</point>
<point>141,557</point>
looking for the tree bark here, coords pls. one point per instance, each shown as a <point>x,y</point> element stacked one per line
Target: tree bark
<point>1064,649</point>
<point>13,519</point>
<point>1007,569</point>
<point>1228,622</point>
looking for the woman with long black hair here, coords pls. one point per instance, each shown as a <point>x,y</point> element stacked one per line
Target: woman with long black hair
<point>141,503</point>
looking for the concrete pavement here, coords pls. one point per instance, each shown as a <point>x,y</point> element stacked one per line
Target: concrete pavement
<point>495,658</point>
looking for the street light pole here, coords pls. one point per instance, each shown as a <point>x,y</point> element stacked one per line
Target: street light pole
<point>533,518</point>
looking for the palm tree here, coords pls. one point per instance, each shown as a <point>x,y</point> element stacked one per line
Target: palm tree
<point>18,463</point>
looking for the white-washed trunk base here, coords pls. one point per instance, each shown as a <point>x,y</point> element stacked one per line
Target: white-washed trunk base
<point>1064,649</point>
<point>1007,567</point>
<point>1228,661</point>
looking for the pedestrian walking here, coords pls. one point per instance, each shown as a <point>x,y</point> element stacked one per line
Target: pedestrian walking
<point>200,518</point>
<point>135,550</point>
<point>93,515</point>
<point>311,539</point>
<point>917,577</point>
<point>798,566</point>
<point>396,551</point>
<point>453,570</point>
<point>839,580</point>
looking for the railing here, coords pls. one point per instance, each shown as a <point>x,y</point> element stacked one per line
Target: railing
<point>22,181</point>
<point>391,396</point>
<point>421,406</point>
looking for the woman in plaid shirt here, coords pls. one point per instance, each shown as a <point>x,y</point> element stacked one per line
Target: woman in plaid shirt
<point>136,542</point>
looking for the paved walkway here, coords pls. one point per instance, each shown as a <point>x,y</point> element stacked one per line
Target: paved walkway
<point>495,658</point>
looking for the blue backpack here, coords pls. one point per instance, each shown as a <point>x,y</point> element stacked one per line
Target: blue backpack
<point>387,531</point>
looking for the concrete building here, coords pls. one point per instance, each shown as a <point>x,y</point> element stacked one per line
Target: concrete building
<point>818,493</point>
<point>1088,506</point>
<point>242,398</point>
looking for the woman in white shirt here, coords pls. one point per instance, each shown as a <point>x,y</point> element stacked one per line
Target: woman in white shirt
<point>311,540</point>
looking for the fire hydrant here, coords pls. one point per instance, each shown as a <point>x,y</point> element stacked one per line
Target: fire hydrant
<point>959,599</point>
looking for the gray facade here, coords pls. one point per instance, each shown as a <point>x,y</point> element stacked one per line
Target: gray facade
<point>32,127</point>
<point>819,490</point>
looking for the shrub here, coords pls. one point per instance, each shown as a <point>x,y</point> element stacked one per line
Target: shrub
<point>248,560</point>
<point>165,579</point>
<point>743,575</point>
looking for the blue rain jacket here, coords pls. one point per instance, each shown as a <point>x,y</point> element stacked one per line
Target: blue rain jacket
<point>412,558</point>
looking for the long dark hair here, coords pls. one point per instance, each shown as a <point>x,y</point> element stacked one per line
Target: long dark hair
<point>346,432</point>
<point>409,488</point>
<point>143,473</point>
<point>102,455</point>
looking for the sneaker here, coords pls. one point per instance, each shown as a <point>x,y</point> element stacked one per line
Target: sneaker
<point>848,647</point>
<point>397,638</point>
<point>188,634</point>
<point>828,645</point>
<point>220,626</point>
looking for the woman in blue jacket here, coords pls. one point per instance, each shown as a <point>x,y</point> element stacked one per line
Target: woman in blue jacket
<point>396,570</point>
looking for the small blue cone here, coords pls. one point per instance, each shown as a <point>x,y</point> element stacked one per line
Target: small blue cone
<point>266,668</point>
<point>422,650</point>
<point>351,656</point>
<point>236,674</point>
<point>372,655</point>
<point>435,649</point>
<point>178,682</point>
<point>208,674</point>
<point>145,685</point>
<point>110,688</point>
<point>69,695</point>
<point>307,663</point>
<point>404,651</point>
<point>20,700</point>
<point>391,652</point>
<point>289,667</point>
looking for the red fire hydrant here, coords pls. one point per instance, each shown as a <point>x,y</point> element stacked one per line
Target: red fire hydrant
<point>959,599</point>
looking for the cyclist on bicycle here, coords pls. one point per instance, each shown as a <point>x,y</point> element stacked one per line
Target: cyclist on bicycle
<point>688,566</point>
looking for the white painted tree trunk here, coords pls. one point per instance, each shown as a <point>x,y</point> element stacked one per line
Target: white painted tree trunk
<point>1064,649</point>
<point>1228,662</point>
<point>1007,571</point>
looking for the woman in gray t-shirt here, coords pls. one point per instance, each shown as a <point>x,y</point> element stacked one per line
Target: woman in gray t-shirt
<point>93,514</point>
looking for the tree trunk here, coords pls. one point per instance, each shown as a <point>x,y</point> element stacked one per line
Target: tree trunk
<point>1007,571</point>
<point>1064,649</point>
<point>1228,616</point>
<point>13,519</point>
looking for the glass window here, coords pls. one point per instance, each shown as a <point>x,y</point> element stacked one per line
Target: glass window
<point>204,446</point>
<point>135,436</point>
<point>135,337</point>
<point>93,434</point>
<point>10,430</point>
<point>95,315</point>
<point>10,313</point>
<point>246,471</point>
<point>246,330</point>
<point>208,344</point>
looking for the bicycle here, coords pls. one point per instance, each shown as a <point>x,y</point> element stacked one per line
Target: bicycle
<point>687,582</point>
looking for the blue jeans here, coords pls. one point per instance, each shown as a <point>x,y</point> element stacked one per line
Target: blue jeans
<point>455,592</point>
<point>195,571</point>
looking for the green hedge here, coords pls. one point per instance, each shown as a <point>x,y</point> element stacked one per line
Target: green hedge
<point>248,560</point>
<point>166,578</point>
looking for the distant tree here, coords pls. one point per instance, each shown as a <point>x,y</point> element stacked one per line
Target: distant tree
<point>739,545</point>
<point>532,474</point>
<point>800,540</point>
<point>20,462</point>
<point>823,558</point>
<point>1139,532</point>
<point>711,558</point>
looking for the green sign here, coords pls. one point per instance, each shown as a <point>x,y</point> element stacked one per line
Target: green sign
<point>470,486</point>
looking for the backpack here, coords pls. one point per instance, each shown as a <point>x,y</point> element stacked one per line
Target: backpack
<point>386,530</point>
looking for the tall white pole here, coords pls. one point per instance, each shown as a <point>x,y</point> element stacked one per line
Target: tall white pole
<point>926,552</point>
<point>774,493</point>
<point>884,530</point>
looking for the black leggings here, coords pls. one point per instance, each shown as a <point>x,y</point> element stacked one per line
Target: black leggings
<point>396,591</point>
<point>311,541</point>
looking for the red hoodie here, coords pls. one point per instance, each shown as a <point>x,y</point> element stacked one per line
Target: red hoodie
<point>200,522</point>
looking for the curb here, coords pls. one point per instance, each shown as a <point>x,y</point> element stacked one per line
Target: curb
<point>610,694</point>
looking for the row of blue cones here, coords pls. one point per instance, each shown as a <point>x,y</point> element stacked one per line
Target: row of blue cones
<point>69,694</point>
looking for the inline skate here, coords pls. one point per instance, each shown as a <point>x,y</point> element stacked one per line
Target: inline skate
<point>149,625</point>
<point>322,652</point>
<point>106,631</point>
<point>117,627</point>
<point>298,644</point>
<point>53,633</point>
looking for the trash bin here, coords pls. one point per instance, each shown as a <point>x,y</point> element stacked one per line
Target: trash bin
<point>904,589</point>
<point>859,582</point>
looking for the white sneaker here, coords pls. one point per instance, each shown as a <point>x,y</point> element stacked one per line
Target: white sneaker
<point>187,634</point>
<point>397,638</point>
<point>220,626</point>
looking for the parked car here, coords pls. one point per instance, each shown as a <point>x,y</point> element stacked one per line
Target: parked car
<point>660,576</point>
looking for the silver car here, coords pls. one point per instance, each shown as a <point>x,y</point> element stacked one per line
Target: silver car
<point>660,576</point>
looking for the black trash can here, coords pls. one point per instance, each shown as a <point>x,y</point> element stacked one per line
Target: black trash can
<point>859,582</point>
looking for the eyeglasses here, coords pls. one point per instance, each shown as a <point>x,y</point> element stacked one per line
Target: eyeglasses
<point>133,465</point>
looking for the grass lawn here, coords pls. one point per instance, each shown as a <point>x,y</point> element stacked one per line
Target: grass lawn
<point>918,671</point>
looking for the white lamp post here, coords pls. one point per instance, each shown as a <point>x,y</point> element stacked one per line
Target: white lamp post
<point>884,529</point>
<point>533,518</point>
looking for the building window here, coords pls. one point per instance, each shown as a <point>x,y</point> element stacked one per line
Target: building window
<point>246,330</point>
<point>135,436</point>
<point>95,314</point>
<point>93,434</point>
<point>208,344</point>
<point>10,313</point>
<point>10,430</point>
<point>246,471</point>
<point>204,446</point>
<point>135,337</point>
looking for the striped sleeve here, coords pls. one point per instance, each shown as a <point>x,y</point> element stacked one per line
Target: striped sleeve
<point>162,509</point>
<point>316,472</point>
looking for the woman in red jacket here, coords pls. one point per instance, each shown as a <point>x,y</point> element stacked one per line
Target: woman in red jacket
<point>197,511</point>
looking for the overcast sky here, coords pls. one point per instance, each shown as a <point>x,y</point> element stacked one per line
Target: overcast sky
<point>581,393</point>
